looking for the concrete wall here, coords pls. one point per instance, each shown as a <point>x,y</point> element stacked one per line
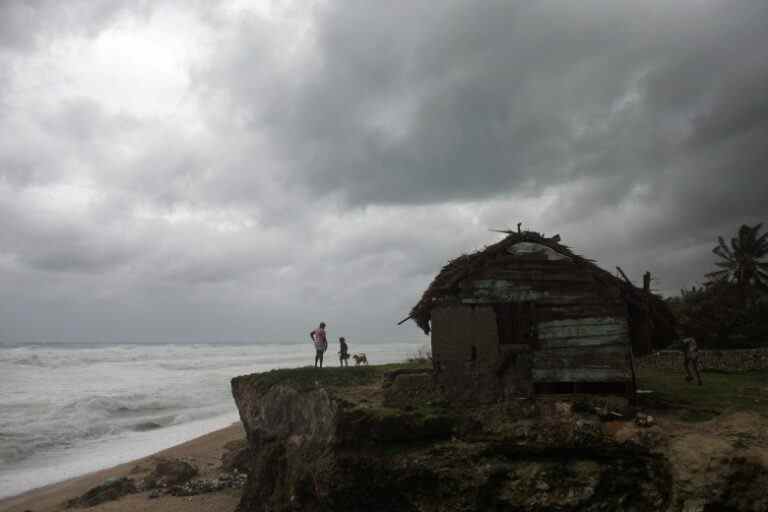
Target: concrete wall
<point>727,360</point>
<point>455,330</point>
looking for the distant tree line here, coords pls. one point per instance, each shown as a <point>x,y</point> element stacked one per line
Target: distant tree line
<point>731,309</point>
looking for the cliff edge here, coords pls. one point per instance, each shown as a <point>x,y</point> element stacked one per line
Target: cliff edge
<point>382,438</point>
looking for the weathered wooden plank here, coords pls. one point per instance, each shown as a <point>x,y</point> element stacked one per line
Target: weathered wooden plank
<point>560,283</point>
<point>511,262</point>
<point>549,313</point>
<point>587,341</point>
<point>581,331</point>
<point>580,375</point>
<point>524,275</point>
<point>607,356</point>
<point>496,296</point>
<point>595,326</point>
<point>598,320</point>
<point>547,298</point>
<point>514,348</point>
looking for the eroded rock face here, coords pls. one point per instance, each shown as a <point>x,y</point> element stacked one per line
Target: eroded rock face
<point>236,457</point>
<point>315,448</point>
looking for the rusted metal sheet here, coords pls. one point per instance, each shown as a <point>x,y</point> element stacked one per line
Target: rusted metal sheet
<point>583,327</point>
<point>581,375</point>
<point>611,356</point>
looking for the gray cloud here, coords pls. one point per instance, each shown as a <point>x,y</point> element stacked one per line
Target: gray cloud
<point>458,101</point>
<point>24,24</point>
<point>326,161</point>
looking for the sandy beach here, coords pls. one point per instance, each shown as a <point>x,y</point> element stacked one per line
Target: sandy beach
<point>204,452</point>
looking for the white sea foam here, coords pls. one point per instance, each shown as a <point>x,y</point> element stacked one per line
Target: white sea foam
<point>67,410</point>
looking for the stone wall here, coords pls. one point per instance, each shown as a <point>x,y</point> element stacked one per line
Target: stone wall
<point>728,360</point>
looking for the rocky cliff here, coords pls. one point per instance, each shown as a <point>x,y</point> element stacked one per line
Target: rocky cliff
<point>364,439</point>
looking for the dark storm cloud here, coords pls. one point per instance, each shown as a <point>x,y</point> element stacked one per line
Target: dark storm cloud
<point>652,105</point>
<point>463,101</point>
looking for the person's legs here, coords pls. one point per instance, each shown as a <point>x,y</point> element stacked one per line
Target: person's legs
<point>318,358</point>
<point>695,364</point>
<point>688,376</point>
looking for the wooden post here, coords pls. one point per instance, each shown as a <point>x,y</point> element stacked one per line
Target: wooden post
<point>633,392</point>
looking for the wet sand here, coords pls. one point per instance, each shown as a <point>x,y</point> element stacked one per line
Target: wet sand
<point>205,452</point>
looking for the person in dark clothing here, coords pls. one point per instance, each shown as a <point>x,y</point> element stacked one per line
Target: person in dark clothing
<point>343,352</point>
<point>691,353</point>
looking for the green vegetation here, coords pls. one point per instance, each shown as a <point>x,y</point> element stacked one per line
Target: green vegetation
<point>309,377</point>
<point>740,262</point>
<point>722,392</point>
<point>731,309</point>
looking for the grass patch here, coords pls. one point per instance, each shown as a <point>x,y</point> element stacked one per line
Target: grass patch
<point>721,392</point>
<point>309,377</point>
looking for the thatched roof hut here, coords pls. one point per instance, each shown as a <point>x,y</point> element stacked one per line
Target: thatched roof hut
<point>530,294</point>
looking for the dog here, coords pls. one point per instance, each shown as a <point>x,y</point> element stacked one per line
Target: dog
<point>360,359</point>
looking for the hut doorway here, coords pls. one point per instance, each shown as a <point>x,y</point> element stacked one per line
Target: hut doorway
<point>517,336</point>
<point>516,323</point>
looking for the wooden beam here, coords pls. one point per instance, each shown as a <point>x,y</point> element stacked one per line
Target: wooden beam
<point>624,276</point>
<point>401,322</point>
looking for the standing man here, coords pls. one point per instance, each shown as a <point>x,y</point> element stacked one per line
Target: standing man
<point>321,343</point>
<point>691,351</point>
<point>343,352</point>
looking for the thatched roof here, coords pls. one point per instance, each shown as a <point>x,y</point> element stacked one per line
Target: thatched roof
<point>447,281</point>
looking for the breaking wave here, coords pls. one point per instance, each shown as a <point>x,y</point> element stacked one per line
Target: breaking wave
<point>54,397</point>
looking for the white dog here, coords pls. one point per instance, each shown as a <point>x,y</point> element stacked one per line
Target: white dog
<point>360,359</point>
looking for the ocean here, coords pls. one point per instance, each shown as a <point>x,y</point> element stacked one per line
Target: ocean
<point>67,410</point>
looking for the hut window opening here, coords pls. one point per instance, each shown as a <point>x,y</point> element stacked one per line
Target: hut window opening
<point>473,354</point>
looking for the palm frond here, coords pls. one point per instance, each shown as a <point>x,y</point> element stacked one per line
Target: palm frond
<point>722,249</point>
<point>718,275</point>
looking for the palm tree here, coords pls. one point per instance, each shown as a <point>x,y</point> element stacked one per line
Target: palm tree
<point>743,261</point>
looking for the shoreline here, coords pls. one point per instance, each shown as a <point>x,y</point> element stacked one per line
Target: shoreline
<point>204,450</point>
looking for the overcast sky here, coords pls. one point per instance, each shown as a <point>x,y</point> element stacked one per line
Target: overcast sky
<point>178,171</point>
